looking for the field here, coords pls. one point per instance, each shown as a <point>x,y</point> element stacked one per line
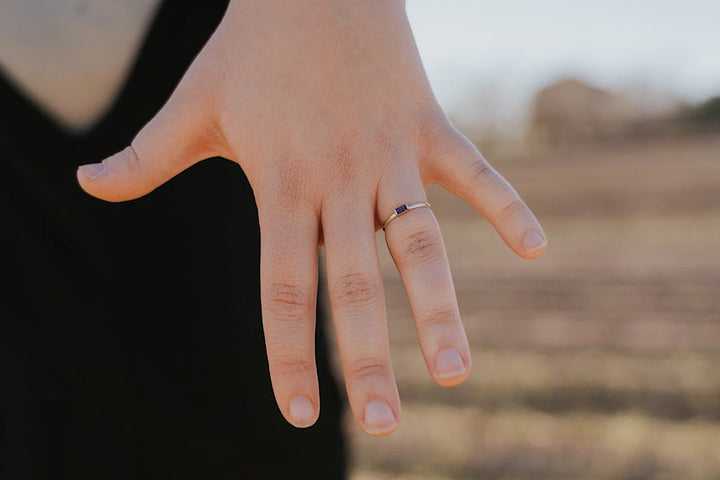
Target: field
<point>601,360</point>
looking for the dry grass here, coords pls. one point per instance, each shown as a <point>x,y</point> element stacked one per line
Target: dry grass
<point>472,443</point>
<point>598,361</point>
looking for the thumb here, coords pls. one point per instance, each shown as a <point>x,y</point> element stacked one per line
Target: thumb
<point>171,142</point>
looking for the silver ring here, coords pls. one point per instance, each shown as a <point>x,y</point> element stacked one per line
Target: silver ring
<point>402,210</point>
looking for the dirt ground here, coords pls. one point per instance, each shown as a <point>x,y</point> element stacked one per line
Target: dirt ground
<point>600,360</point>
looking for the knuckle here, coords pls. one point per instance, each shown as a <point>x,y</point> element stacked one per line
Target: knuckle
<point>444,315</point>
<point>342,160</point>
<point>513,208</point>
<point>352,289</point>
<point>287,301</point>
<point>423,244</point>
<point>367,367</point>
<point>436,141</point>
<point>342,150</point>
<point>128,159</point>
<point>481,174</point>
<point>433,129</point>
<point>291,365</point>
<point>385,144</point>
<point>287,185</point>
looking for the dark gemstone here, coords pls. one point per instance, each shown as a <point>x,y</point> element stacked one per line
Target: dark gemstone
<point>401,209</point>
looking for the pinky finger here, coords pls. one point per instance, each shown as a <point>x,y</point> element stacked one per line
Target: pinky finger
<point>461,169</point>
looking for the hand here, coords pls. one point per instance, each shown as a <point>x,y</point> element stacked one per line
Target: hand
<point>326,107</point>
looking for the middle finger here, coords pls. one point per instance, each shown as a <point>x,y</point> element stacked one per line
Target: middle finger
<point>358,306</point>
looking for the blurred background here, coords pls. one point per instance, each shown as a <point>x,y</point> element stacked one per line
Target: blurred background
<point>601,360</point>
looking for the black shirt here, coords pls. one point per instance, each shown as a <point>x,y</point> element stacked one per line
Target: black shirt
<point>130,334</point>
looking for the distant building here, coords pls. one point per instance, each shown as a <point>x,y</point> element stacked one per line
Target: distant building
<point>570,111</point>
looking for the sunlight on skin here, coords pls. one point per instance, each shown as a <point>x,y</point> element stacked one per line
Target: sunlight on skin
<point>342,86</point>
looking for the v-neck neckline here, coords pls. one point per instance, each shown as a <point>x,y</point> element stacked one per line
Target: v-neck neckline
<point>15,93</point>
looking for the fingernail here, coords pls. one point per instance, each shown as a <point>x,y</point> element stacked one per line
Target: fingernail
<point>533,241</point>
<point>302,411</point>
<point>379,417</point>
<point>93,170</point>
<point>449,363</point>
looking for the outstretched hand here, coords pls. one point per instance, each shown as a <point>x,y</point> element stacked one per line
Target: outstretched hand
<point>326,107</point>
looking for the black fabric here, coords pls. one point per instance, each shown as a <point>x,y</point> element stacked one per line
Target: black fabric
<point>130,334</point>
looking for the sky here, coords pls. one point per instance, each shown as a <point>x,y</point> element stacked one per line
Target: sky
<point>497,54</point>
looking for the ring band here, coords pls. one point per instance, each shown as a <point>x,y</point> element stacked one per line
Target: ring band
<point>403,209</point>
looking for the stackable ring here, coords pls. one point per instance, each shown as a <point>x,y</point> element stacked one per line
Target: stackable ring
<point>403,209</point>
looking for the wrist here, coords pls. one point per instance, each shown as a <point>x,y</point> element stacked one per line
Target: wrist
<point>310,7</point>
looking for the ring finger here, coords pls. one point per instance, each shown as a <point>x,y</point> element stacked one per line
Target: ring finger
<point>417,248</point>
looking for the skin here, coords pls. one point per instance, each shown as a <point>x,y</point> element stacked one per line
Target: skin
<point>50,49</point>
<point>327,108</point>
